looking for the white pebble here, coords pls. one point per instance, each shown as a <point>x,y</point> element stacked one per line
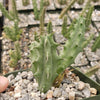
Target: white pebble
<point>72,95</point>
<point>81,85</point>
<point>17,95</point>
<point>93,91</point>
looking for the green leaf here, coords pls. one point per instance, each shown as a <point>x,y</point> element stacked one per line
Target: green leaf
<point>92,70</point>
<point>16,72</point>
<point>97,97</point>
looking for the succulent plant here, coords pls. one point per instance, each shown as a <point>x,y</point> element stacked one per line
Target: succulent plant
<point>14,10</point>
<point>38,12</point>
<point>5,12</point>
<point>62,2</point>
<point>47,64</point>
<point>45,61</point>
<point>95,0</point>
<point>64,27</point>
<point>42,17</point>
<point>46,2</point>
<point>13,33</point>
<point>49,27</point>
<point>25,2</point>
<point>65,10</point>
<point>89,16</point>
<point>35,8</point>
<point>74,44</point>
<point>80,1</point>
<point>15,55</point>
<point>12,15</point>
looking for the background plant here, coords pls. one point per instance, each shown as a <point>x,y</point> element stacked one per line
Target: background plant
<point>25,2</point>
<point>62,2</point>
<point>15,55</point>
<point>36,10</point>
<point>5,12</point>
<point>80,2</point>
<point>13,33</point>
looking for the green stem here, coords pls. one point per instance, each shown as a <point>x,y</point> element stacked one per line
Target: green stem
<point>65,10</point>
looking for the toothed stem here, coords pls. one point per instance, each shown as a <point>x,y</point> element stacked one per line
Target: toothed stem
<point>64,27</point>
<point>35,8</point>
<point>49,27</point>
<point>5,12</point>
<point>15,13</point>
<point>42,16</point>
<point>25,2</point>
<point>80,2</point>
<point>65,10</point>
<point>15,55</point>
<point>62,2</point>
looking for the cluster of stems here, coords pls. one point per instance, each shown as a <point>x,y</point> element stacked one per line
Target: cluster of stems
<point>12,33</point>
<point>38,11</point>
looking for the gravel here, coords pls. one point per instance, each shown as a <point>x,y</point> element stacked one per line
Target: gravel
<point>26,89</point>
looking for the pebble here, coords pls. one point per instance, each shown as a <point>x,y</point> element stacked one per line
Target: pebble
<point>65,94</point>
<point>24,74</point>
<point>86,92</point>
<point>12,82</point>
<point>35,95</point>
<point>80,60</point>
<point>10,77</point>
<point>49,94</point>
<point>72,95</point>
<point>61,98</point>
<point>26,82</point>
<point>17,95</point>
<point>35,86</point>
<point>57,92</point>
<point>30,76</point>
<point>17,89</point>
<point>68,81</point>
<point>64,86</point>
<point>24,91</point>
<point>81,85</point>
<point>79,94</point>
<point>91,55</point>
<point>29,87</point>
<point>18,77</point>
<point>43,95</point>
<point>26,97</point>
<point>93,91</point>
